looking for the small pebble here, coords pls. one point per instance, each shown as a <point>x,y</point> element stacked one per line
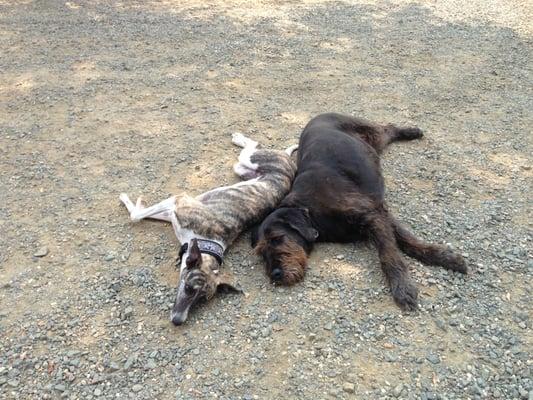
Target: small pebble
<point>137,388</point>
<point>348,387</point>
<point>43,251</point>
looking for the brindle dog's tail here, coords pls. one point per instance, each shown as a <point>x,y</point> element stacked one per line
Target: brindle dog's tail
<point>427,253</point>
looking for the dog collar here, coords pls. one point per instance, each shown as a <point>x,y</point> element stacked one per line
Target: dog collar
<point>208,247</point>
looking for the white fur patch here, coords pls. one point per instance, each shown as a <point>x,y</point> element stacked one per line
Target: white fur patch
<point>291,149</point>
<point>243,171</point>
<point>240,140</point>
<point>249,148</point>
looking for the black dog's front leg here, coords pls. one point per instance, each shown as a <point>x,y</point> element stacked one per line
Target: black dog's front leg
<point>403,290</point>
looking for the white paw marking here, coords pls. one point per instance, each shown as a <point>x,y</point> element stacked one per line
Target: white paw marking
<point>239,139</point>
<point>124,198</point>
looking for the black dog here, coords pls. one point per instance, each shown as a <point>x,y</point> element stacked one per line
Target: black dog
<point>337,196</point>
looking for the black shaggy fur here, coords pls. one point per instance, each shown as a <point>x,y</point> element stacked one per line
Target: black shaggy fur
<point>338,196</point>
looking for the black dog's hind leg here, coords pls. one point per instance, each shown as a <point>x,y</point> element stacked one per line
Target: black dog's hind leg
<point>402,288</point>
<point>427,253</point>
<point>377,136</point>
<point>396,133</point>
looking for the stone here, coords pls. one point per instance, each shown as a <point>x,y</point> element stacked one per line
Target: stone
<point>137,388</point>
<point>43,251</point>
<point>433,358</point>
<point>128,312</point>
<point>129,362</point>
<point>348,387</point>
<point>397,391</point>
<point>113,366</point>
<point>13,382</point>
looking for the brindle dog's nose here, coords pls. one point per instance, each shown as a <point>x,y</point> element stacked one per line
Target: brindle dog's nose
<point>178,319</point>
<point>277,274</point>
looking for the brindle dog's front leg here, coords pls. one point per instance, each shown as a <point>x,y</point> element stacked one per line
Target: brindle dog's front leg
<point>161,211</point>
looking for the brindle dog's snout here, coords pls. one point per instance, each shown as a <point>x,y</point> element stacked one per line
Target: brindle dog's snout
<point>178,319</point>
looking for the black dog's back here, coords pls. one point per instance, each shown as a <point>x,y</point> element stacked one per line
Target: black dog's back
<point>339,176</point>
<point>339,158</point>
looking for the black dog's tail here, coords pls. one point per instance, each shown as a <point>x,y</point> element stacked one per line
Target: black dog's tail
<point>427,253</point>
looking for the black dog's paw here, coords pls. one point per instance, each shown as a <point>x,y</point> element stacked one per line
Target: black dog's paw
<point>410,133</point>
<point>454,261</point>
<point>405,294</point>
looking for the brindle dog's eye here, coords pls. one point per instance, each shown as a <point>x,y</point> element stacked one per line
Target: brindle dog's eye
<point>189,290</point>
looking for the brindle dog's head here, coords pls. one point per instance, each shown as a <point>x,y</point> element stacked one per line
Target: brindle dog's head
<point>284,239</point>
<point>200,278</point>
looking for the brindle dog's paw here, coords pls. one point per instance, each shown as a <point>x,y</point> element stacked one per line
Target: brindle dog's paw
<point>405,294</point>
<point>454,261</point>
<point>239,139</point>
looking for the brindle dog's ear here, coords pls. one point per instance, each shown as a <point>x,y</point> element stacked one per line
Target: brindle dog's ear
<point>194,258</point>
<point>301,224</point>
<point>225,283</point>
<point>254,235</point>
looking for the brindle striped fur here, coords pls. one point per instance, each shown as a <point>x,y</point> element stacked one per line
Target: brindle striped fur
<point>224,213</point>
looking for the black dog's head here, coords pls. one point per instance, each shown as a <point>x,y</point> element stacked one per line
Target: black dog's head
<point>284,239</point>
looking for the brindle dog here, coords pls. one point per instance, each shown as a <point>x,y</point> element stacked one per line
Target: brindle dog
<point>338,196</point>
<point>207,224</point>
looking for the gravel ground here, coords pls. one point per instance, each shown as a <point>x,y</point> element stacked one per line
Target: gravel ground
<point>102,97</point>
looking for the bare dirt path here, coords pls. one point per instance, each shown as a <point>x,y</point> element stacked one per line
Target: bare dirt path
<point>102,97</point>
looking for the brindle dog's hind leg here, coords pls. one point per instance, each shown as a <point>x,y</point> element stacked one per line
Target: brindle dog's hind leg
<point>245,168</point>
<point>244,172</point>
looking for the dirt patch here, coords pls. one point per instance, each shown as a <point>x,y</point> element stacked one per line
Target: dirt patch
<point>98,98</point>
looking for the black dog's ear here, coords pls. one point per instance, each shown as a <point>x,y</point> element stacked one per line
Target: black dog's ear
<point>301,225</point>
<point>308,233</point>
<point>254,235</point>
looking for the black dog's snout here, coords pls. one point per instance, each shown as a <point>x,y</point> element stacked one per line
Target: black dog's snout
<point>277,274</point>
